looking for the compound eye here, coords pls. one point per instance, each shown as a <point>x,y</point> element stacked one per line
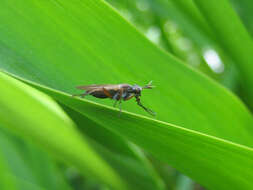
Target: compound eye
<point>138,92</point>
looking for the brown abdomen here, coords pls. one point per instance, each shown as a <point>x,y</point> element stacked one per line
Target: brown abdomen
<point>101,94</point>
<point>98,94</point>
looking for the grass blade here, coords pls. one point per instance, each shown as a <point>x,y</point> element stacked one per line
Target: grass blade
<point>43,127</point>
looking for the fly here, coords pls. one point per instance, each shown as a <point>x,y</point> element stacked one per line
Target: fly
<point>117,92</point>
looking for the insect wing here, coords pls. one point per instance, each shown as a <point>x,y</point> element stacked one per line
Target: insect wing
<point>100,86</point>
<point>91,87</point>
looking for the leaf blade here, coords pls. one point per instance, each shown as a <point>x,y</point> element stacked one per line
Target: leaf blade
<point>189,151</point>
<point>67,144</point>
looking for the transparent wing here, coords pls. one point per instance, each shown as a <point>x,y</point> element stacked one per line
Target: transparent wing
<point>93,86</point>
<point>100,86</point>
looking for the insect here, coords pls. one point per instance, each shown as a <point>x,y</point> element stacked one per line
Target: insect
<point>117,92</point>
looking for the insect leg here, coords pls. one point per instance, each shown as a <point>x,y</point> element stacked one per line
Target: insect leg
<point>81,95</point>
<point>129,97</point>
<point>115,98</point>
<point>146,109</point>
<point>120,100</point>
<point>120,107</point>
<point>115,103</point>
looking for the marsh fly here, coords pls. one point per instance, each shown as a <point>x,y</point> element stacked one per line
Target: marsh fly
<point>117,92</point>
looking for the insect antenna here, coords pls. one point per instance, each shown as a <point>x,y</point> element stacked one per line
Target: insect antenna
<point>148,86</point>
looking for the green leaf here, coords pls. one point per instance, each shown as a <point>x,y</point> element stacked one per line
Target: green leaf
<point>6,182</point>
<point>62,55</point>
<point>191,11</point>
<point>62,44</point>
<point>191,152</point>
<point>127,159</point>
<point>34,168</point>
<point>50,127</point>
<point>233,36</point>
<point>244,9</point>
<point>20,183</point>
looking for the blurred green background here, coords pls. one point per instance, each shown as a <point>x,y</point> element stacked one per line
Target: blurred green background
<point>199,56</point>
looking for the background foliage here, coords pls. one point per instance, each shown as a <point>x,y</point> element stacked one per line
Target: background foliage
<point>199,60</point>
